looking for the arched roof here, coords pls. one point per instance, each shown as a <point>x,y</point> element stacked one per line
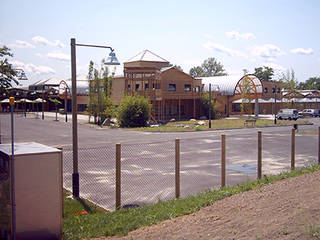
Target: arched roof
<point>227,85</point>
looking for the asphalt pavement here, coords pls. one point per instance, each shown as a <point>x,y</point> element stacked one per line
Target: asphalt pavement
<point>148,157</point>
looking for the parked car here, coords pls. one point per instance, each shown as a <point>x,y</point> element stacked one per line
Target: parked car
<point>287,114</point>
<point>310,113</point>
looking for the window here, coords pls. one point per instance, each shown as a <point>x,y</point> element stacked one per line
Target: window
<point>187,87</point>
<point>172,87</point>
<point>129,86</point>
<point>265,90</point>
<point>137,86</point>
<point>146,86</point>
<point>197,89</point>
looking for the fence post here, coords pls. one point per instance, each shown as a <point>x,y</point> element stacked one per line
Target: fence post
<point>177,167</point>
<point>118,176</point>
<point>223,160</point>
<point>293,134</point>
<point>318,145</point>
<point>259,155</point>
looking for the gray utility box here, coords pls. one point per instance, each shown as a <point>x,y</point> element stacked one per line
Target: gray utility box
<point>38,191</point>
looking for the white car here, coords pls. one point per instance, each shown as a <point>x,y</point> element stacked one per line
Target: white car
<point>287,114</point>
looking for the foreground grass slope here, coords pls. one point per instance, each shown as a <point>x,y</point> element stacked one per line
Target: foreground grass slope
<point>94,222</point>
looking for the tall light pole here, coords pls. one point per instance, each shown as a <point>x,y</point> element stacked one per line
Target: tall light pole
<point>275,91</point>
<point>111,60</point>
<point>209,105</point>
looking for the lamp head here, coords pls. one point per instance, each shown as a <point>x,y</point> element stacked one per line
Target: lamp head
<point>22,75</point>
<point>112,59</point>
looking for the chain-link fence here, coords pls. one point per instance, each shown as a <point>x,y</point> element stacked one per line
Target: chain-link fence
<point>147,173</point>
<point>96,171</point>
<point>148,170</point>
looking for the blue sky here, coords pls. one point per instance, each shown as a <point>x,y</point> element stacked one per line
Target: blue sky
<point>281,34</point>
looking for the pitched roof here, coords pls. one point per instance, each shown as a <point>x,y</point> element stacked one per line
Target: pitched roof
<point>147,56</point>
<point>48,81</point>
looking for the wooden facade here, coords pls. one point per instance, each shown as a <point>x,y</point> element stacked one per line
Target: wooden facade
<point>172,93</point>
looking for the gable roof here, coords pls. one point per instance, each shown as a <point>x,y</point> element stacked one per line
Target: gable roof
<point>147,56</point>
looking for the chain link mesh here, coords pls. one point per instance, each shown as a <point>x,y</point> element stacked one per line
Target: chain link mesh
<point>199,165</point>
<point>96,172</point>
<point>147,173</point>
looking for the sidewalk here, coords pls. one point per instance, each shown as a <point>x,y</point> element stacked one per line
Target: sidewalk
<point>61,117</point>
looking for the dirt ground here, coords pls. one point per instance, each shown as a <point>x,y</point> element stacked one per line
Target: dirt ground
<point>288,209</point>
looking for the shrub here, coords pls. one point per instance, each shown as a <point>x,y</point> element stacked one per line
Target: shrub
<point>205,107</point>
<point>134,111</point>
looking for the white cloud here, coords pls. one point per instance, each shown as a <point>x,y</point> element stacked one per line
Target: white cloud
<point>32,68</point>
<point>302,51</point>
<point>46,42</point>
<point>267,51</point>
<point>59,56</point>
<point>38,55</point>
<point>21,44</point>
<point>237,36</point>
<point>223,49</point>
<point>274,66</point>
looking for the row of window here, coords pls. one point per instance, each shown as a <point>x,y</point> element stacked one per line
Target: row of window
<point>273,90</point>
<point>171,87</point>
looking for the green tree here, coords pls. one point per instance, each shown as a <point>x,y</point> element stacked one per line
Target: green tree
<point>134,111</point>
<point>7,73</point>
<point>100,85</point>
<point>196,72</point>
<point>264,73</point>
<point>56,103</point>
<point>246,90</point>
<point>288,80</point>
<point>205,106</point>
<point>312,83</point>
<point>210,67</point>
<point>290,83</point>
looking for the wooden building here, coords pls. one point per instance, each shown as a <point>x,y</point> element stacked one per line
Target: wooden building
<point>172,93</point>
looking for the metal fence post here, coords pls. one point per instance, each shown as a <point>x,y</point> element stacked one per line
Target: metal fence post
<point>293,134</point>
<point>177,167</point>
<point>118,176</point>
<point>223,160</point>
<point>259,155</point>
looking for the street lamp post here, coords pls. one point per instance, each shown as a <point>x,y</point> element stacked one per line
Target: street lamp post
<point>209,105</point>
<point>112,60</point>
<point>42,108</point>
<point>275,90</point>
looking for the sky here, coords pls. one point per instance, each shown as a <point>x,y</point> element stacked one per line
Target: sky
<point>282,34</point>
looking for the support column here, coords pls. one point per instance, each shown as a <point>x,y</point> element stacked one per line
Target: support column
<point>179,108</point>
<point>256,108</point>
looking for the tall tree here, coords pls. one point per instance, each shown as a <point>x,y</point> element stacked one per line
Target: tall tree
<point>7,73</point>
<point>210,67</point>
<point>289,81</point>
<point>312,83</point>
<point>100,84</point>
<point>264,73</point>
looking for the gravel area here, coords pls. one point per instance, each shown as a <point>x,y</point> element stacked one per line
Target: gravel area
<point>288,209</point>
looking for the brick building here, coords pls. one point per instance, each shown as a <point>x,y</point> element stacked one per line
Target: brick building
<point>172,93</point>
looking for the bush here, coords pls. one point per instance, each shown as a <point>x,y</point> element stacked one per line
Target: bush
<point>205,107</point>
<point>134,111</point>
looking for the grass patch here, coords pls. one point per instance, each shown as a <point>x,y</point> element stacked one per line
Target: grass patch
<point>216,124</point>
<point>314,132</point>
<point>120,222</point>
<point>314,231</point>
<point>73,207</point>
